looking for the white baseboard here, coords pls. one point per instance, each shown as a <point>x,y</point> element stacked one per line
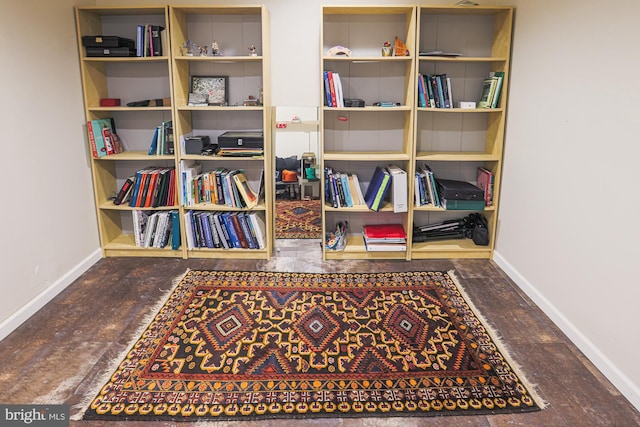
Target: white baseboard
<point>29,309</point>
<point>626,387</point>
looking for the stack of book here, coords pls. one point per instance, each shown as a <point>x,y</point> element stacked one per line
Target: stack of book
<point>491,88</point>
<point>425,188</point>
<point>384,237</point>
<point>333,89</point>
<point>149,188</point>
<point>150,40</point>
<point>225,230</point>
<point>220,186</point>
<point>156,229</point>
<point>342,190</point>
<point>434,91</point>
<point>162,141</point>
<point>103,138</point>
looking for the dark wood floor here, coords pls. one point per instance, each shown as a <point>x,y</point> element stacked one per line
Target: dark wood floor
<point>62,353</point>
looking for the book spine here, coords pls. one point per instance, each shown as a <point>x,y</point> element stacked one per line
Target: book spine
<point>92,139</point>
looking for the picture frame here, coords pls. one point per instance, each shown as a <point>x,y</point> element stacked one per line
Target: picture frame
<point>216,87</point>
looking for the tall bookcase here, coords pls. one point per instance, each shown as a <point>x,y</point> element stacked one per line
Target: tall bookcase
<point>234,29</point>
<point>454,142</point>
<point>130,79</point>
<point>354,140</point>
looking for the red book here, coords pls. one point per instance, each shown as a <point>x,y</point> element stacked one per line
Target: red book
<point>92,139</point>
<point>384,231</point>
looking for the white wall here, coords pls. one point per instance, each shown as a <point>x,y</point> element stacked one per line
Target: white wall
<point>49,233</point>
<point>567,233</point>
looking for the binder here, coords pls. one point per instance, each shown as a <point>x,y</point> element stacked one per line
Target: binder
<point>398,189</point>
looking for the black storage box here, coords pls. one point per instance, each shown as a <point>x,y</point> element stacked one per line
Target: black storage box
<point>241,139</point>
<point>107,41</point>
<point>111,51</point>
<point>458,190</point>
<point>195,144</point>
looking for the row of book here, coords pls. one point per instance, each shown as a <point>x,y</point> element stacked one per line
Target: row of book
<point>103,138</point>
<point>343,190</point>
<point>491,88</point>
<point>434,91</point>
<point>156,229</point>
<point>150,40</point>
<point>225,230</point>
<point>333,89</point>
<point>150,187</point>
<point>453,194</point>
<point>220,186</point>
<point>162,141</point>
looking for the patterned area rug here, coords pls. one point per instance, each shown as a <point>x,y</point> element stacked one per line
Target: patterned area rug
<point>255,345</point>
<point>298,219</point>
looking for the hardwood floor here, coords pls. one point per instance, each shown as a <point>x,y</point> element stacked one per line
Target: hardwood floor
<point>61,354</point>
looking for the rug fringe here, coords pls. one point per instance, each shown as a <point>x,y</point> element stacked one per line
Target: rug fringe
<point>499,343</point>
<point>106,373</point>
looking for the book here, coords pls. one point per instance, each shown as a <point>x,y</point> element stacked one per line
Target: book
<point>487,92</point>
<point>377,189</point>
<point>421,92</point>
<point>259,228</point>
<point>485,183</point>
<point>225,239</point>
<point>385,247</point>
<point>496,97</point>
<point>94,130</point>
<point>155,40</point>
<point>139,226</point>
<point>384,233</point>
<point>461,204</point>
<point>175,230</point>
<point>398,189</point>
<point>248,194</point>
<point>188,224</point>
<point>140,40</point>
<point>124,190</point>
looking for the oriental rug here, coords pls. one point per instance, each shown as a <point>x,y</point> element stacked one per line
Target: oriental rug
<point>257,345</point>
<point>298,219</point>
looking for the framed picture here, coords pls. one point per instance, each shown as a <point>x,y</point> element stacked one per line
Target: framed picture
<point>215,87</point>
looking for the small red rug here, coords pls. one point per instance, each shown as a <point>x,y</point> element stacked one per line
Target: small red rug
<point>256,345</point>
<point>298,219</point>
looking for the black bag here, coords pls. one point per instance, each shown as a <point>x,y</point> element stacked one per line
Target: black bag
<point>479,229</point>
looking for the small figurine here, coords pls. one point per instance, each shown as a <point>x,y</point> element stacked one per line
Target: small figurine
<point>215,49</point>
<point>204,51</point>
<point>386,49</point>
<point>252,50</point>
<point>189,47</point>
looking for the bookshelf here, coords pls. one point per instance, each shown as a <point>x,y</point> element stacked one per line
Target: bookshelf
<point>130,79</point>
<point>454,142</point>
<point>234,29</point>
<point>354,140</point>
<point>168,76</point>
